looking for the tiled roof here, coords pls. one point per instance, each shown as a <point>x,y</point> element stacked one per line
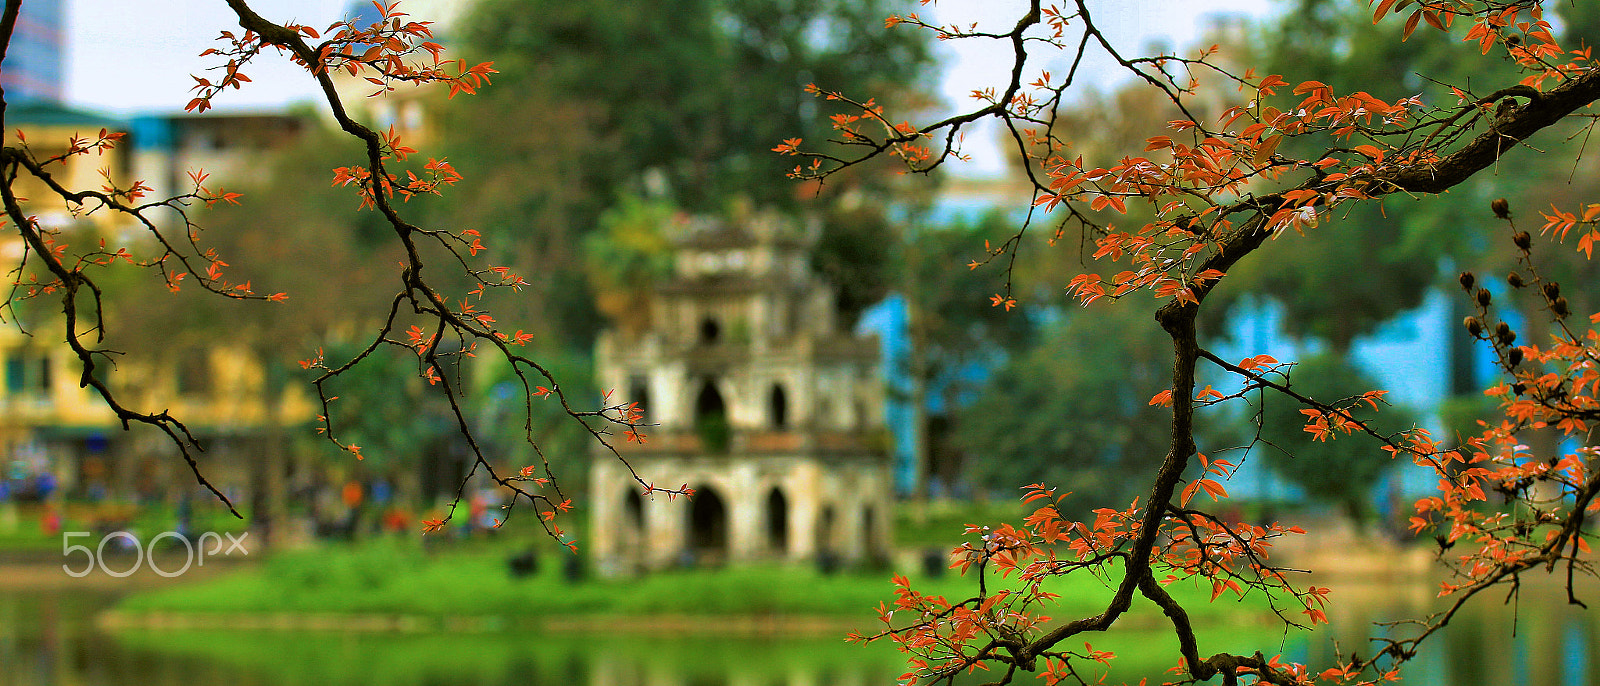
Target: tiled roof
<point>45,113</point>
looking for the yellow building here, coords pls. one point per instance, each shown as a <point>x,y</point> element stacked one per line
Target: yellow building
<point>58,438</point>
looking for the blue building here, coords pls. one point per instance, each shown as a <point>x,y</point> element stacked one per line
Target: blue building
<point>35,60</point>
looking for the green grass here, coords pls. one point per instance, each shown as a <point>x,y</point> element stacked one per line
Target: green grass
<point>510,634</point>
<point>941,522</point>
<point>395,576</point>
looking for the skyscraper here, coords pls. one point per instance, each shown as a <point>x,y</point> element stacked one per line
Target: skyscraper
<point>35,61</point>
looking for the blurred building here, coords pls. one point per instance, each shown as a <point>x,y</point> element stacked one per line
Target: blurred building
<point>56,436</point>
<point>760,403</point>
<point>36,56</point>
<point>231,147</point>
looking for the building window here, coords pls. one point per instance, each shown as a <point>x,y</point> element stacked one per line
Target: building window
<point>633,509</point>
<point>711,418</point>
<point>777,521</point>
<point>708,526</point>
<point>778,407</point>
<point>639,393</point>
<point>16,374</point>
<point>710,331</point>
<point>25,374</point>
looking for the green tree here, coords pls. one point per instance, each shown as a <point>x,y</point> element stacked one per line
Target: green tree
<point>1404,241</point>
<point>1072,411</point>
<point>1288,154</point>
<point>1339,472</point>
<point>691,106</point>
<point>602,101</point>
<point>953,337</point>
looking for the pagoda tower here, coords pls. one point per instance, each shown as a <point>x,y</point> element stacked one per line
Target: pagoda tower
<point>760,403</point>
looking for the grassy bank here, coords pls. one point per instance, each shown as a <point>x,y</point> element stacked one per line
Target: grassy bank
<point>395,576</point>
<point>523,626</point>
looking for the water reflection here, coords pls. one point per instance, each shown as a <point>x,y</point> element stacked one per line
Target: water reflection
<point>1532,637</point>
<point>49,639</point>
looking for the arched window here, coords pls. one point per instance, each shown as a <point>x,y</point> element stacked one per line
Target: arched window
<point>710,331</point>
<point>711,418</point>
<point>777,521</point>
<point>778,407</point>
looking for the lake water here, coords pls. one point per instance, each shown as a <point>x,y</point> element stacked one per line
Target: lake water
<point>48,638</point>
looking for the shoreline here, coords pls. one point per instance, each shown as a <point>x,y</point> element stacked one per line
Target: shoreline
<point>1359,568</point>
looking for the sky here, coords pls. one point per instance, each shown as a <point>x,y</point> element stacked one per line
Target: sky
<point>127,57</point>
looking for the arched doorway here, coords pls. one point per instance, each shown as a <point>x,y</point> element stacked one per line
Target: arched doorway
<point>869,535</point>
<point>711,418</point>
<point>708,526</point>
<point>633,511</point>
<point>825,530</point>
<point>630,540</point>
<point>777,522</point>
<point>827,557</point>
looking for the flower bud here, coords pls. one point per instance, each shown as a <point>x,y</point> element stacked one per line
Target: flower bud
<point>1523,240</point>
<point>1519,388</point>
<point>1474,326</point>
<point>1504,333</point>
<point>1483,297</point>
<point>1515,280</point>
<point>1560,308</point>
<point>1467,281</point>
<point>1502,209</point>
<point>1552,290</point>
<point>1514,356</point>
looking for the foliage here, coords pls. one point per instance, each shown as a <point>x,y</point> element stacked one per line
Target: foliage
<point>630,250</point>
<point>696,102</point>
<point>958,329</point>
<point>680,113</point>
<point>1077,420</point>
<point>1288,155</point>
<point>1405,240</point>
<point>330,259</point>
<point>1282,159</point>
<point>438,322</point>
<point>953,339</point>
<point>387,409</point>
<point>1340,472</point>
